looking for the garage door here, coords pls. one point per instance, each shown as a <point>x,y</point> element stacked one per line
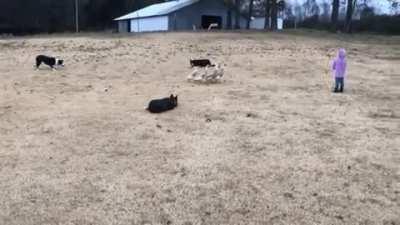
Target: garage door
<point>206,21</point>
<point>159,23</point>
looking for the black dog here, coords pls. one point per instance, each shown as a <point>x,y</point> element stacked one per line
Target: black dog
<point>200,62</point>
<point>50,61</point>
<point>162,105</point>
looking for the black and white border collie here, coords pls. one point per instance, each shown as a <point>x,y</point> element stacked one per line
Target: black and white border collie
<point>50,61</point>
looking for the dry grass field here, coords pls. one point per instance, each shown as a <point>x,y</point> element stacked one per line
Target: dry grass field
<point>269,145</point>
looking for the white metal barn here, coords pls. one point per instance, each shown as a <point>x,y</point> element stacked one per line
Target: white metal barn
<point>186,15</point>
<point>151,18</point>
<point>179,15</point>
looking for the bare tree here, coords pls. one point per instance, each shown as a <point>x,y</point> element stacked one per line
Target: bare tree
<point>274,15</point>
<point>335,14</point>
<point>394,6</point>
<point>325,11</point>
<point>311,8</point>
<point>267,14</point>
<point>250,14</point>
<point>237,14</point>
<point>351,5</point>
<point>298,12</point>
<point>271,12</point>
<point>288,11</point>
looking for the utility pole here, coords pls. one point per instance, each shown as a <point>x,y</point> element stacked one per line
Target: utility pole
<point>77,16</point>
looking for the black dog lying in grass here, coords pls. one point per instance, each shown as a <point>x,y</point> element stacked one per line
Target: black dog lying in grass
<point>200,63</point>
<point>162,105</point>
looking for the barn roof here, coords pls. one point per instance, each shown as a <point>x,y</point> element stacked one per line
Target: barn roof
<point>158,9</point>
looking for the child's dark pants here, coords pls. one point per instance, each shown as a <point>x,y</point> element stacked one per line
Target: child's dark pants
<point>339,84</point>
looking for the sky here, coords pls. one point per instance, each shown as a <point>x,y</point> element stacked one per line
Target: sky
<point>381,6</point>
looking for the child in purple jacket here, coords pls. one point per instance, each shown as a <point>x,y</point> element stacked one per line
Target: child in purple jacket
<point>339,67</point>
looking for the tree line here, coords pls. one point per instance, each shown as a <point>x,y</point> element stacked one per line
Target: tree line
<point>323,13</point>
<point>33,16</point>
<point>27,16</point>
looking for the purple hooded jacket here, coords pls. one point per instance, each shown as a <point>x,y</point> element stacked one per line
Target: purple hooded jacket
<point>339,65</point>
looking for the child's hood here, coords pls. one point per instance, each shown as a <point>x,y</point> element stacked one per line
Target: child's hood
<point>342,53</point>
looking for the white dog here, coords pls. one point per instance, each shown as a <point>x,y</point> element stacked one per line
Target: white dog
<point>210,74</point>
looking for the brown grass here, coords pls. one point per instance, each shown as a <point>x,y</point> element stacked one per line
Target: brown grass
<point>269,145</point>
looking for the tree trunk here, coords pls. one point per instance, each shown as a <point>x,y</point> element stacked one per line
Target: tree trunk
<point>335,14</point>
<point>274,15</point>
<point>267,14</point>
<point>237,14</point>
<point>250,14</point>
<point>349,15</point>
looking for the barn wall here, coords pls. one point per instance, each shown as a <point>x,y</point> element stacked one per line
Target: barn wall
<point>123,26</point>
<point>258,23</point>
<point>280,24</point>
<point>185,18</point>
<point>159,23</point>
<point>242,21</point>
